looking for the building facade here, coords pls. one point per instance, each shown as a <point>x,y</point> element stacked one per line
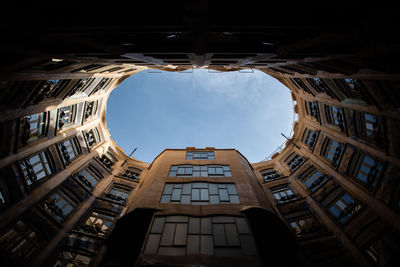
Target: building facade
<point>69,196</point>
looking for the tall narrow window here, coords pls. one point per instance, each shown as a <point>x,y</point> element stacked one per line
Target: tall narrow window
<point>69,149</point>
<point>66,116</point>
<point>368,127</point>
<point>270,175</point>
<point>90,110</point>
<point>89,177</point>
<point>294,161</point>
<point>283,194</point>
<point>335,116</point>
<point>59,205</point>
<point>344,207</point>
<point>21,241</point>
<point>313,110</point>
<point>310,138</point>
<point>36,167</point>
<point>33,127</point>
<point>332,150</point>
<point>92,137</point>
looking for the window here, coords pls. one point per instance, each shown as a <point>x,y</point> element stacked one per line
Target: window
<point>211,236</point>
<point>92,137</point>
<point>88,68</point>
<point>68,258</point>
<point>59,205</point>
<point>200,155</point>
<point>365,169</point>
<point>98,223</point>
<point>318,85</point>
<point>368,127</point>
<point>313,179</point>
<point>107,160</point>
<point>81,86</point>
<point>102,85</point>
<point>33,127</point>
<point>335,116</point>
<point>332,150</point>
<point>2,198</point>
<point>303,226</point>
<point>89,177</point>
<point>312,110</point>
<point>118,193</point>
<point>21,241</point>
<point>201,193</point>
<point>36,167</point>
<point>270,175</point>
<point>310,138</point>
<point>66,116</point>
<point>132,174</point>
<point>300,84</point>
<point>294,161</point>
<point>200,171</point>
<point>283,194</point>
<point>344,207</point>
<point>90,110</point>
<point>68,149</point>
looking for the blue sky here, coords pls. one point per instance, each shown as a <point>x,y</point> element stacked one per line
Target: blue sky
<point>155,111</point>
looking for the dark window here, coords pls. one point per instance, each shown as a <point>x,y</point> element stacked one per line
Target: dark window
<point>59,205</point>
<point>301,85</point>
<point>211,236</point>
<point>294,161</point>
<point>313,179</point>
<point>303,226</point>
<point>21,241</point>
<point>332,150</point>
<point>368,127</point>
<point>69,258</point>
<point>310,138</point>
<point>313,110</point>
<point>366,169</point>
<point>335,116</point>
